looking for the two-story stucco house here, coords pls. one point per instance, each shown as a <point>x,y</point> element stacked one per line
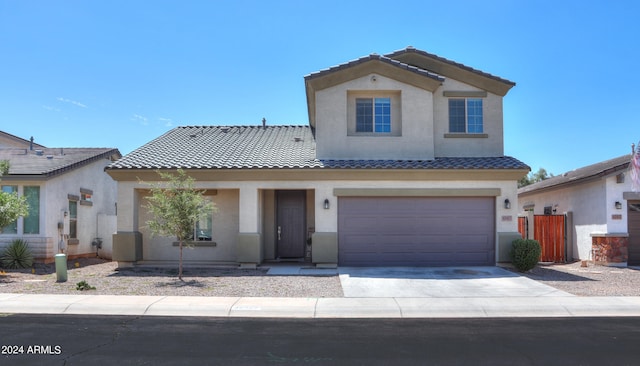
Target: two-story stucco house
<point>72,201</point>
<point>401,164</point>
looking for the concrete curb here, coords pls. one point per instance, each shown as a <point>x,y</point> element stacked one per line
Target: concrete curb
<point>381,307</point>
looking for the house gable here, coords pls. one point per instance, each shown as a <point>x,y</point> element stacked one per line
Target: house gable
<point>409,95</point>
<point>363,67</point>
<point>454,70</point>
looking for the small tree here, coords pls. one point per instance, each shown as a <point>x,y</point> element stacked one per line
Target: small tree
<point>12,206</point>
<point>176,207</point>
<point>536,177</point>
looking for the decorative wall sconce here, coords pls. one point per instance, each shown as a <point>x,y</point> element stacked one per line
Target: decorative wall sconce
<point>326,203</point>
<point>507,204</point>
<point>618,205</point>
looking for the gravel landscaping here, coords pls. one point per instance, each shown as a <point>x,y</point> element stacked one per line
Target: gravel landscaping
<point>593,280</point>
<point>164,281</point>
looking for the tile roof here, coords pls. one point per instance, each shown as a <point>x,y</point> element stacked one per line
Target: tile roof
<point>579,175</point>
<point>375,56</point>
<point>51,161</point>
<point>273,147</point>
<point>410,49</point>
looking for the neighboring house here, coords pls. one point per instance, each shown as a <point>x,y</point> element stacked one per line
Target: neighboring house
<point>72,202</point>
<point>402,164</point>
<point>604,212</point>
<point>8,140</point>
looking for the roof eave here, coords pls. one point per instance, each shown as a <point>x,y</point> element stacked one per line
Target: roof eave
<point>320,174</point>
<point>568,183</point>
<point>454,70</point>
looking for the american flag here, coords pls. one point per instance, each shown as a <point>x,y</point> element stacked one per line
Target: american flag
<point>634,168</point>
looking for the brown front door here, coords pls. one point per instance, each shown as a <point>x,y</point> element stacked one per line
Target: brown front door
<point>291,224</point>
<point>633,227</point>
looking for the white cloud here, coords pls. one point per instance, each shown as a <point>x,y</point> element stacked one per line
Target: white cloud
<point>142,119</point>
<point>74,102</point>
<point>50,108</point>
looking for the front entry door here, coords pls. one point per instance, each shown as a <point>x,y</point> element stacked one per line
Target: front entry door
<point>291,224</point>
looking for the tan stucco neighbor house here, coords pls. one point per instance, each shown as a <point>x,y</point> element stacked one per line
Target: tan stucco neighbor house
<point>72,201</point>
<point>401,164</point>
<point>604,212</point>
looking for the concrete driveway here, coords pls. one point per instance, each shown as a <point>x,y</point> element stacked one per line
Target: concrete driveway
<point>440,282</point>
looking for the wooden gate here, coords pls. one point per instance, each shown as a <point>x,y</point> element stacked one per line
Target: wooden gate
<point>549,231</point>
<point>523,226</point>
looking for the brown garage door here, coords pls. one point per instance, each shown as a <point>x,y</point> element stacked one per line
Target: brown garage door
<point>416,231</point>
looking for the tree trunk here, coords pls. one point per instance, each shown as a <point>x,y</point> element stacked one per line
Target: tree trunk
<point>180,263</point>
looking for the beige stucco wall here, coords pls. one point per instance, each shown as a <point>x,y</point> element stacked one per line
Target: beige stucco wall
<point>225,233</point>
<point>492,145</point>
<point>260,196</point>
<point>333,140</point>
<point>423,117</point>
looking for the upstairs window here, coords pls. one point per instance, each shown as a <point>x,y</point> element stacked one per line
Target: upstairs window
<point>465,115</point>
<point>373,115</point>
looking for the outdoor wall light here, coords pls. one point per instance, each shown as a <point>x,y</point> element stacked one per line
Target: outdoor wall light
<point>507,204</point>
<point>326,203</point>
<point>618,205</point>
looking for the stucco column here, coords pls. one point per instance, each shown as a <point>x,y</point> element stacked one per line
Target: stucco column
<point>128,206</point>
<point>127,242</point>
<point>249,210</point>
<point>326,219</point>
<point>250,251</point>
<point>324,247</point>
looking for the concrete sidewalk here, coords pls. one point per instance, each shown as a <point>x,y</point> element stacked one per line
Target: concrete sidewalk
<point>383,307</point>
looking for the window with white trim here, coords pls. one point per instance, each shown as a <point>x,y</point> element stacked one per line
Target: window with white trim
<point>465,115</point>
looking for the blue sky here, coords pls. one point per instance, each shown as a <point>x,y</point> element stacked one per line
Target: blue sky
<point>120,73</point>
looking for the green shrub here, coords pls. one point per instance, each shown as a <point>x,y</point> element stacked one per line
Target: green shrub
<point>17,255</point>
<point>525,254</point>
<point>84,286</point>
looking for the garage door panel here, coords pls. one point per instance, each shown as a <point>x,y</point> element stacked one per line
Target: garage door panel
<point>416,231</point>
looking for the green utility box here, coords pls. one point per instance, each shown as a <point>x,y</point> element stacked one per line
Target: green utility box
<point>61,267</point>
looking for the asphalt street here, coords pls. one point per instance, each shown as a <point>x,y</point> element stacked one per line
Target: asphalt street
<point>109,340</point>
